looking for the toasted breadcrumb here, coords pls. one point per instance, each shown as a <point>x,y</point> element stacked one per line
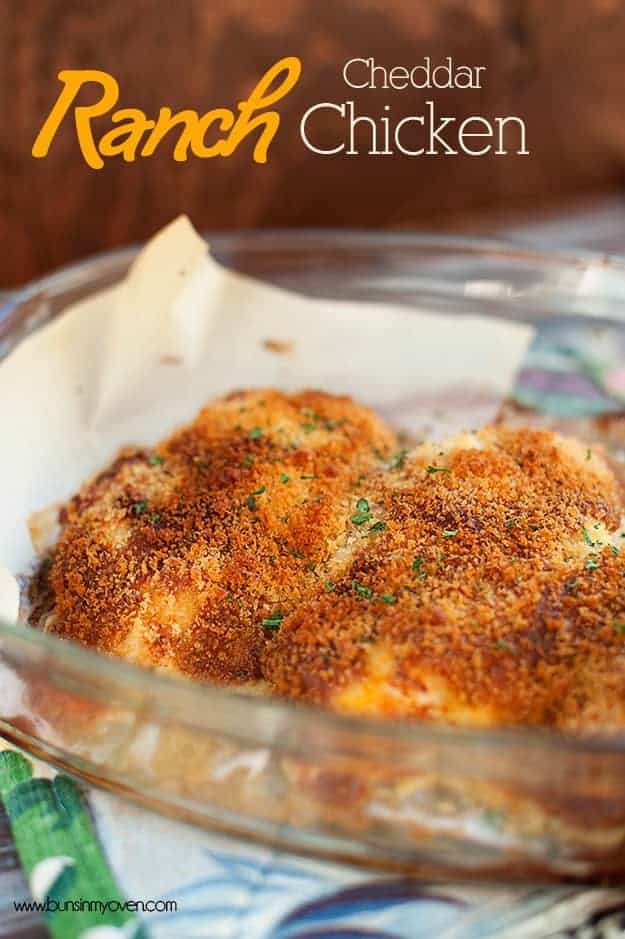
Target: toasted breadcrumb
<point>494,595</point>
<point>188,556</point>
<point>291,540</point>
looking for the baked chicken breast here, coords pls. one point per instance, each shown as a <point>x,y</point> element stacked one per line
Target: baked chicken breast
<point>287,541</point>
<point>187,557</point>
<point>492,593</point>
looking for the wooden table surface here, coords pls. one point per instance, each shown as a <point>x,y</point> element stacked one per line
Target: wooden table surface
<point>200,54</point>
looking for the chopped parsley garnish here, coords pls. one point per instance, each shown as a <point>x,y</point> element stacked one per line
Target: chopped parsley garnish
<point>379,526</point>
<point>587,538</point>
<point>156,460</point>
<point>450,533</point>
<point>618,627</point>
<point>572,585</point>
<point>417,566</point>
<point>273,622</point>
<point>329,585</point>
<point>361,590</point>
<point>614,549</point>
<point>249,460</point>
<point>315,419</point>
<point>259,492</point>
<point>139,507</point>
<point>502,644</point>
<point>534,527</point>
<point>592,564</point>
<point>154,517</point>
<point>437,469</point>
<point>388,598</point>
<point>255,433</point>
<point>511,522</point>
<point>332,425</point>
<point>310,566</point>
<point>251,503</point>
<point>362,514</point>
<point>399,459</point>
<point>309,476</point>
<point>588,453</point>
<point>284,478</point>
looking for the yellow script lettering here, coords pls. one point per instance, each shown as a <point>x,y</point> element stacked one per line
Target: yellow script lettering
<point>132,127</point>
<point>73,80</point>
<point>126,138</point>
<point>262,98</point>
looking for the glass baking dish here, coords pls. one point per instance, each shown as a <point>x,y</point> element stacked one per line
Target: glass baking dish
<point>439,801</point>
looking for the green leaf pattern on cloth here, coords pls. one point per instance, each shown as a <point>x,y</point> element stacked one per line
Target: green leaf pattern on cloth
<point>61,855</point>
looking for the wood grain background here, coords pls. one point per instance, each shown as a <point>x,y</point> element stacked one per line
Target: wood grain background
<point>559,64</point>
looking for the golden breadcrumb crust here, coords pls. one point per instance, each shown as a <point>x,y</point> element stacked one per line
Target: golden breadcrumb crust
<point>286,539</point>
<point>186,557</point>
<point>495,593</point>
